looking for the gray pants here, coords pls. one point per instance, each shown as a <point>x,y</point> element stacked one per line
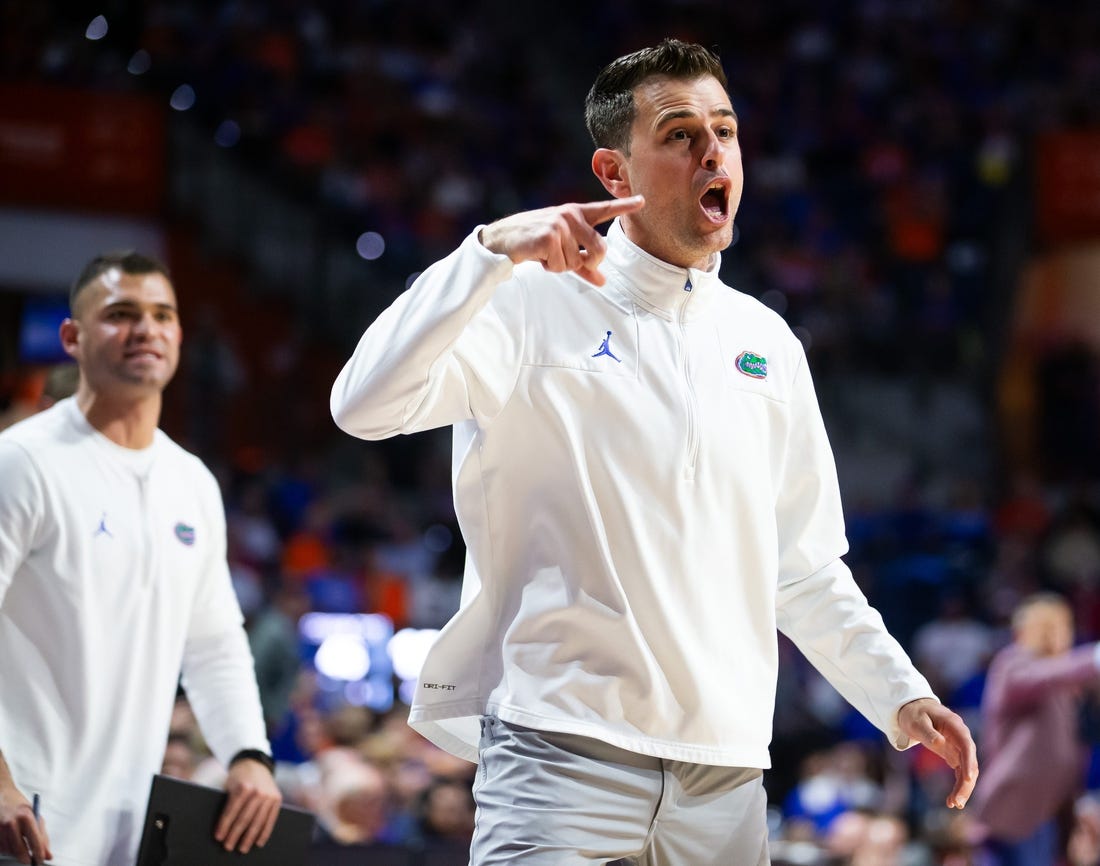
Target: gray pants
<point>548,799</point>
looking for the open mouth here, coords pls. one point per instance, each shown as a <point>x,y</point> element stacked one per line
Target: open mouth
<point>715,201</point>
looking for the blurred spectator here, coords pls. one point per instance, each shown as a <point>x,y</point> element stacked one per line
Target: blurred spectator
<point>273,636</point>
<point>252,537</point>
<point>180,759</point>
<point>868,838</point>
<point>446,813</point>
<point>1068,558</point>
<point>354,799</point>
<point>953,647</point>
<point>61,381</point>
<point>308,547</point>
<point>1033,760</point>
<point>950,838</point>
<point>1084,839</point>
<point>834,782</point>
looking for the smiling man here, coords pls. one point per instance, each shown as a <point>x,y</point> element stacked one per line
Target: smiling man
<point>113,582</point>
<point>647,493</point>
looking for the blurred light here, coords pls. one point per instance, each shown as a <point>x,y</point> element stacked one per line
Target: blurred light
<point>366,693</point>
<point>316,627</point>
<point>97,29</point>
<point>408,649</point>
<point>140,63</point>
<point>227,134</point>
<point>183,97</point>
<point>965,257</point>
<point>376,627</point>
<point>437,101</point>
<point>370,246</point>
<point>438,538</point>
<point>343,657</point>
<point>55,58</point>
<point>411,278</point>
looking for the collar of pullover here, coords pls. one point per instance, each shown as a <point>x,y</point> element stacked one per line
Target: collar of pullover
<point>669,291</point>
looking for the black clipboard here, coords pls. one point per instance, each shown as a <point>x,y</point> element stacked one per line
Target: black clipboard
<point>179,830</point>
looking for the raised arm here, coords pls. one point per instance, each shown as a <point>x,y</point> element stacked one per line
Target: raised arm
<point>562,238</point>
<point>448,349</point>
<point>1027,679</point>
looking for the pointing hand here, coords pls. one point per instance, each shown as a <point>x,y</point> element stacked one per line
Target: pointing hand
<point>563,238</point>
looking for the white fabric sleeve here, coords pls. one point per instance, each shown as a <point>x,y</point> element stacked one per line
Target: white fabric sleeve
<point>22,506</point>
<point>220,680</point>
<point>447,350</point>
<point>215,608</point>
<point>218,672</point>
<point>818,604</point>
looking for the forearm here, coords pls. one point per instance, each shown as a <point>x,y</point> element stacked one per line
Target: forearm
<point>220,682</point>
<point>1029,679</point>
<point>830,621</point>
<point>401,362</point>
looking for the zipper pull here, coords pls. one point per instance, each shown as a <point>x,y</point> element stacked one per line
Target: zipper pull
<point>687,285</point>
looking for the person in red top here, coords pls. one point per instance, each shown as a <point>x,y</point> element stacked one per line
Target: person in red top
<point>1034,760</point>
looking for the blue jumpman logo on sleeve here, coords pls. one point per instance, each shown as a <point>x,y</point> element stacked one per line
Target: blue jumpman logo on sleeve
<point>605,349</point>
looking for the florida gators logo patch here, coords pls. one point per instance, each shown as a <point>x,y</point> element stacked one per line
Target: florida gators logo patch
<point>753,365</point>
<point>185,533</point>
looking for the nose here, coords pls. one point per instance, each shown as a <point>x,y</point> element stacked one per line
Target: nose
<point>145,325</point>
<point>712,154</point>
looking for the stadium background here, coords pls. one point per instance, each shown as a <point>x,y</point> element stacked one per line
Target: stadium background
<point>922,204</point>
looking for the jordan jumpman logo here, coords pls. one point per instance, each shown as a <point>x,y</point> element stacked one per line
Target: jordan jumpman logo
<point>605,349</point>
<point>103,530</point>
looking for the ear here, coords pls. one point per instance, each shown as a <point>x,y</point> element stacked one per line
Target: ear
<point>69,332</point>
<point>612,168</point>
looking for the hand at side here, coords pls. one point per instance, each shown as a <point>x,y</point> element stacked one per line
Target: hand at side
<point>21,836</point>
<point>937,728</point>
<point>253,805</point>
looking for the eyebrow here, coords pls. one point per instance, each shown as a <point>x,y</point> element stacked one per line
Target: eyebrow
<point>688,114</point>
<point>130,304</point>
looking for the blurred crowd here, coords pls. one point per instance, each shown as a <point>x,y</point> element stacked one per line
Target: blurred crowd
<point>886,145</point>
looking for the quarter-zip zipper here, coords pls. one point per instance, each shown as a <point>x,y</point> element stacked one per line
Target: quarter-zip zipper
<point>148,547</point>
<point>689,390</point>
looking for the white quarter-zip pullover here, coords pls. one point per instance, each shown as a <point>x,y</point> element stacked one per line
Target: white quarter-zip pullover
<point>112,579</point>
<point>645,486</point>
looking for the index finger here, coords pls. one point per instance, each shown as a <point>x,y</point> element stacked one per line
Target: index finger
<point>966,771</point>
<point>966,777</point>
<point>233,805</point>
<point>596,212</point>
<point>33,835</point>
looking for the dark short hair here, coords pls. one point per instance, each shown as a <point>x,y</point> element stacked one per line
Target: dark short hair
<point>609,107</point>
<point>128,261</point>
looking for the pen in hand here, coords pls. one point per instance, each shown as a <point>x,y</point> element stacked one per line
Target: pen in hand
<point>34,808</point>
